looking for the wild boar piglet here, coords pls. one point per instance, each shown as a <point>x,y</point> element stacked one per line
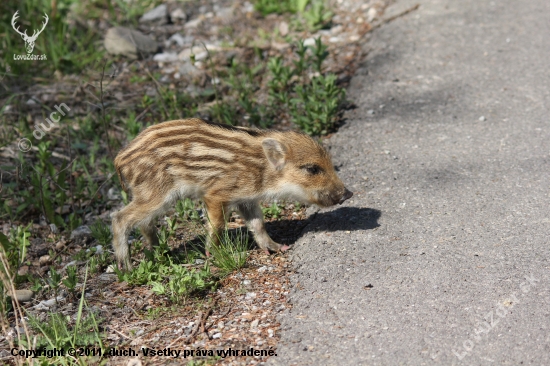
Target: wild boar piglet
<point>226,167</point>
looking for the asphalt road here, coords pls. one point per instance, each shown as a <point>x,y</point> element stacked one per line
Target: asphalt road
<point>441,257</point>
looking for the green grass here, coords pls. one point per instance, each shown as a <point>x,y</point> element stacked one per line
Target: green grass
<point>316,13</point>
<point>57,331</point>
<point>231,253</point>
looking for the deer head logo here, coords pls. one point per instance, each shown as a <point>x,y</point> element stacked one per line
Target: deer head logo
<point>29,41</point>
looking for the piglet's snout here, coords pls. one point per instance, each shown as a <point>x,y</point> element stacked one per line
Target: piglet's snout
<point>347,195</point>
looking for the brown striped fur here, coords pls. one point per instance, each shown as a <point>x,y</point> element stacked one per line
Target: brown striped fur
<point>227,167</point>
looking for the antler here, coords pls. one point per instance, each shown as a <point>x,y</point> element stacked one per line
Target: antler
<point>43,26</point>
<point>13,19</point>
<point>25,35</point>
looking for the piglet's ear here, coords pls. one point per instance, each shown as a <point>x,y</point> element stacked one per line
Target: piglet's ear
<point>275,153</point>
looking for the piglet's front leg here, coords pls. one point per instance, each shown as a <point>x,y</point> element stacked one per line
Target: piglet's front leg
<point>217,212</point>
<point>253,215</point>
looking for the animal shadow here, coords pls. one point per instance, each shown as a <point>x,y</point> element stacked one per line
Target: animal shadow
<point>289,231</point>
<point>341,219</point>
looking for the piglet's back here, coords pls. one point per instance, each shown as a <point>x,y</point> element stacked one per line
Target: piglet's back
<point>194,151</point>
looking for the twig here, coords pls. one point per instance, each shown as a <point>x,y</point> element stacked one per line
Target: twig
<point>122,334</point>
<point>399,15</point>
<point>142,114</point>
<point>220,317</point>
<point>195,329</point>
<point>203,322</point>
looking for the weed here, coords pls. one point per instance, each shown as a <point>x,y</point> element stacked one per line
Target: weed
<point>319,54</point>
<point>15,248</point>
<point>101,232</point>
<point>186,210</point>
<point>133,127</point>
<point>179,282</point>
<point>57,332</point>
<point>317,16</point>
<point>316,105</point>
<point>166,277</point>
<point>315,12</point>
<point>71,280</point>
<point>273,211</point>
<point>232,251</point>
<point>224,113</point>
<point>266,7</point>
<point>54,281</point>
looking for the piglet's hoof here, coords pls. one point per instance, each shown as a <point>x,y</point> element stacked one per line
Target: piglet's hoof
<point>283,248</point>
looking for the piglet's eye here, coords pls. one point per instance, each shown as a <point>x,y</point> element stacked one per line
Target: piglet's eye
<point>313,169</point>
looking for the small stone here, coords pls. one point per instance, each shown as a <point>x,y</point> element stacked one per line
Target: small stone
<point>371,14</point>
<point>482,119</point>
<point>337,29</point>
<point>113,194</point>
<point>110,269</point>
<point>246,282</point>
<point>309,42</point>
<point>221,325</point>
<point>23,270</point>
<point>225,14</point>
<point>44,260</point>
<point>24,295</point>
<point>193,23</point>
<point>30,102</point>
<point>180,40</point>
<point>178,14</point>
<point>217,335</point>
<point>283,28</point>
<point>254,324</point>
<point>53,228</point>
<point>81,232</point>
<point>250,295</point>
<point>166,57</point>
<point>128,42</point>
<point>157,14</point>
<point>60,245</point>
<point>134,361</point>
<point>370,111</point>
<point>270,332</point>
<point>46,304</point>
<point>247,7</point>
<point>107,278</point>
<point>262,269</point>
<point>279,46</point>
